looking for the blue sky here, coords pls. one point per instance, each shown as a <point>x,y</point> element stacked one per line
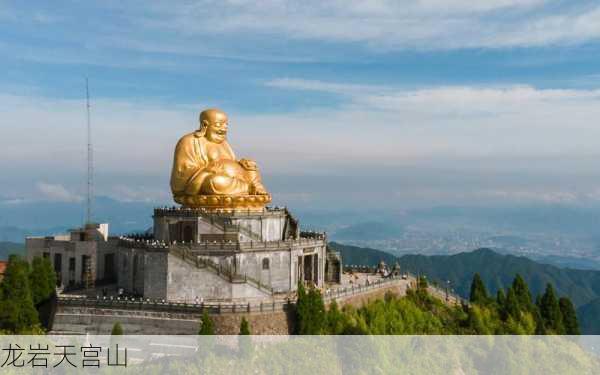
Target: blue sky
<point>402,103</point>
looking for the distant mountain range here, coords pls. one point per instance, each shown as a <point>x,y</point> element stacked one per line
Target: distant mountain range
<point>372,229</point>
<point>363,256</point>
<point>7,248</point>
<point>497,270</point>
<point>40,218</point>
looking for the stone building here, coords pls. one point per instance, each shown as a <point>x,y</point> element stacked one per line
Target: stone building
<point>223,243</point>
<point>80,258</point>
<point>197,254</point>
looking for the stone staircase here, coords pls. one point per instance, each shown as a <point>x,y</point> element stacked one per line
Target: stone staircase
<point>224,272</point>
<point>223,225</point>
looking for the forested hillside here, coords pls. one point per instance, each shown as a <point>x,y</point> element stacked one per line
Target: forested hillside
<point>496,270</point>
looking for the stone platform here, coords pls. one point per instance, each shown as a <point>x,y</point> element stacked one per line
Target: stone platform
<point>221,255</point>
<point>275,317</point>
<point>224,202</point>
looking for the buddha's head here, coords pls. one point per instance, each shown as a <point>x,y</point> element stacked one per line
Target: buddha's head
<point>213,123</point>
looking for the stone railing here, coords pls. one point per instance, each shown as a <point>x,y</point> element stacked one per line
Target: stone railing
<point>194,212</point>
<point>140,304</point>
<point>229,246</point>
<point>213,307</point>
<point>449,297</point>
<point>133,243</point>
<point>313,235</point>
<point>223,307</point>
<point>356,289</point>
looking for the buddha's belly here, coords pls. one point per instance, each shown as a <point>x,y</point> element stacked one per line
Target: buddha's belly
<point>232,168</point>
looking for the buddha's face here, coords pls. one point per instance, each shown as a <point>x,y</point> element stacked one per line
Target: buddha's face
<point>216,127</point>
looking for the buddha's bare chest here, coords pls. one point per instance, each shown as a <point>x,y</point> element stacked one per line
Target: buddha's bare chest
<point>217,152</point>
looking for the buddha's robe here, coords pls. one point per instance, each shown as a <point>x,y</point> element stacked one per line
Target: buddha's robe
<point>201,167</point>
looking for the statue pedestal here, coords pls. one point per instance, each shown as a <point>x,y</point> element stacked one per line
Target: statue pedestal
<point>224,202</point>
<point>200,225</point>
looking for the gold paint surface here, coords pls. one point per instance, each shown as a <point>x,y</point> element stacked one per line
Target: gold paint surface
<point>207,174</point>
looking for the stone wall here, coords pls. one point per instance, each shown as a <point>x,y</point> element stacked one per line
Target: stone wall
<point>95,320</point>
<point>360,299</point>
<point>271,323</point>
<point>67,250</point>
<point>100,321</point>
<point>82,320</point>
<point>276,274</point>
<point>186,282</point>
<point>156,274</point>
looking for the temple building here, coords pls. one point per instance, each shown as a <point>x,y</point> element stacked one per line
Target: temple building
<point>222,243</point>
<point>196,254</point>
<point>80,258</point>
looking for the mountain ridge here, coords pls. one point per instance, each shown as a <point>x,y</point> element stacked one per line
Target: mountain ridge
<point>496,270</point>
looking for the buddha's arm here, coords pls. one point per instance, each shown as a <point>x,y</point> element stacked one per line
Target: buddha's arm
<point>212,178</point>
<point>189,170</point>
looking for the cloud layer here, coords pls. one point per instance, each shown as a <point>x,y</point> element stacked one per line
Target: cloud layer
<point>451,99</point>
<point>388,24</point>
<point>519,133</point>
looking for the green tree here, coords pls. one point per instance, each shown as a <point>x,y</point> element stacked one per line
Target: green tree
<point>500,297</point>
<point>302,309</point>
<point>335,319</point>
<point>480,320</point>
<point>511,305</point>
<point>478,291</point>
<point>569,316</point>
<point>17,311</point>
<point>42,280</point>
<point>501,303</point>
<point>522,293</point>
<point>550,311</point>
<point>50,275</point>
<point>206,325</point>
<point>117,330</point>
<point>244,327</point>
<point>310,311</point>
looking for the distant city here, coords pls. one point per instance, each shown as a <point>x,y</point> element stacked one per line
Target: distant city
<point>565,236</point>
<point>550,248</point>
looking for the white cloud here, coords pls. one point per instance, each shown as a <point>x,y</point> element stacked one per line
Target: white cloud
<point>465,101</point>
<point>227,29</point>
<point>147,194</point>
<point>56,192</point>
<point>427,24</point>
<point>329,87</point>
<point>375,131</point>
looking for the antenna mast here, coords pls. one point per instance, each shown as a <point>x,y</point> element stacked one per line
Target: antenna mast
<point>90,159</point>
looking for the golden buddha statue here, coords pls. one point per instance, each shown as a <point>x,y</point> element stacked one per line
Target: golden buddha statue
<point>206,173</point>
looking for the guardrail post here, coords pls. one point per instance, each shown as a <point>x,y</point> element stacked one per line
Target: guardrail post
<point>261,306</point>
<point>219,308</point>
<point>248,306</point>
<point>273,305</point>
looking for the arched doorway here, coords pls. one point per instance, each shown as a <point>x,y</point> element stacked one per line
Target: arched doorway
<point>188,233</point>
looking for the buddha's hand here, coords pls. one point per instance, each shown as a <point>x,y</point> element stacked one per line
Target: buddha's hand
<point>249,165</point>
<point>215,166</point>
